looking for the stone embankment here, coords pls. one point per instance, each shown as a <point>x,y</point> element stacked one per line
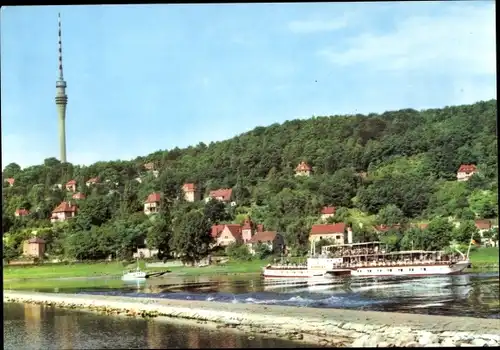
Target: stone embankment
<point>324,327</point>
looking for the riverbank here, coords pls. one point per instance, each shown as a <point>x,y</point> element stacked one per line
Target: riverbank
<point>482,259</point>
<point>113,269</point>
<point>326,327</point>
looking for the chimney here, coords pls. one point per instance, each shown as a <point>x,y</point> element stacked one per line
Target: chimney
<point>260,228</point>
<point>349,235</point>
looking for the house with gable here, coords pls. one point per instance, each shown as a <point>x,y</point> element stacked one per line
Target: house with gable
<point>63,212</point>
<point>465,172</point>
<point>71,186</point>
<point>78,196</point>
<point>34,247</point>
<point>273,240</point>
<point>191,192</point>
<point>223,194</point>
<point>151,169</point>
<point>92,181</point>
<point>152,203</point>
<point>334,232</point>
<point>303,169</point>
<point>21,212</point>
<point>327,212</point>
<point>226,234</point>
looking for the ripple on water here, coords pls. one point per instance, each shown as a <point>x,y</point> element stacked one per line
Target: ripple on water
<point>468,294</point>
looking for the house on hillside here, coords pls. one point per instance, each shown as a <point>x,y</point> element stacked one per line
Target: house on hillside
<point>151,169</point>
<point>421,225</point>
<point>335,232</point>
<point>10,181</point>
<point>384,228</point>
<point>79,196</point>
<point>191,192</point>
<point>303,169</point>
<point>483,225</point>
<point>223,194</point>
<point>71,186</point>
<point>272,239</point>
<point>63,212</point>
<point>152,203</point>
<point>466,171</point>
<point>149,166</point>
<point>226,234</point>
<point>92,181</point>
<point>327,212</point>
<point>34,248</point>
<point>21,212</point>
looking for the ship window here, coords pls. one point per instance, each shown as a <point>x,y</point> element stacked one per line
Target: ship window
<point>425,269</point>
<point>401,270</point>
<point>390,270</point>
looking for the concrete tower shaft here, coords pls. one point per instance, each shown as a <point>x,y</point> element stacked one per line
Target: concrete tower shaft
<point>61,101</point>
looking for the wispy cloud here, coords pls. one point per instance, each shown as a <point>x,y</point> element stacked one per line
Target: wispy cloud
<point>314,26</point>
<point>462,38</point>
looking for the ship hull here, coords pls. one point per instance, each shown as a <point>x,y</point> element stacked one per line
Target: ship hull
<point>415,270</point>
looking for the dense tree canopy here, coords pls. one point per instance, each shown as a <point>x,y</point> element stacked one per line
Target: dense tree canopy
<point>395,167</point>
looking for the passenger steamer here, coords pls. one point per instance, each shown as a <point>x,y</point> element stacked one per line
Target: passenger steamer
<point>370,260</point>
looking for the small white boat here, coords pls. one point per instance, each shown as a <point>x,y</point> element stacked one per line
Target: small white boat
<point>133,275</point>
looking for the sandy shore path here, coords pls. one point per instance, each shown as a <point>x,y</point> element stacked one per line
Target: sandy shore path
<point>323,326</point>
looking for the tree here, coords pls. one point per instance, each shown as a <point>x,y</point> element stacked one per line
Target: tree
<point>215,212</point>
<point>390,215</point>
<point>239,252</point>
<point>462,233</point>
<point>192,237</point>
<point>484,203</point>
<point>438,234</point>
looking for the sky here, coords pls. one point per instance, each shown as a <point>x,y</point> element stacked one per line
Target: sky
<point>147,77</point>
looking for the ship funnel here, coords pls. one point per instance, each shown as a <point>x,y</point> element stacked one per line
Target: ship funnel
<point>349,235</point>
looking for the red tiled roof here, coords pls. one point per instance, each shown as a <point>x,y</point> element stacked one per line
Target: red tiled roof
<point>71,183</point>
<point>216,230</point>
<point>22,212</point>
<point>79,195</point>
<point>93,180</point>
<point>65,207</point>
<point>328,210</point>
<point>10,180</point>
<point>36,240</point>
<point>189,187</point>
<point>385,228</point>
<point>328,228</point>
<point>467,168</point>
<point>266,236</point>
<point>483,224</point>
<point>154,198</point>
<point>225,193</point>
<point>303,166</point>
<point>235,230</point>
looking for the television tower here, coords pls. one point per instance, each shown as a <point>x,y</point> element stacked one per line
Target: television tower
<point>61,101</point>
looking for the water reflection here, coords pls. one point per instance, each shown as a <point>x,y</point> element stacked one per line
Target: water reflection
<point>42,327</point>
<point>467,294</point>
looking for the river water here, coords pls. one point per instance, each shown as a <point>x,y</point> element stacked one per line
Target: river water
<point>475,295</point>
<point>42,327</point>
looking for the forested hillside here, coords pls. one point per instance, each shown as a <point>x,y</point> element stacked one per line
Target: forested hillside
<point>385,168</point>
